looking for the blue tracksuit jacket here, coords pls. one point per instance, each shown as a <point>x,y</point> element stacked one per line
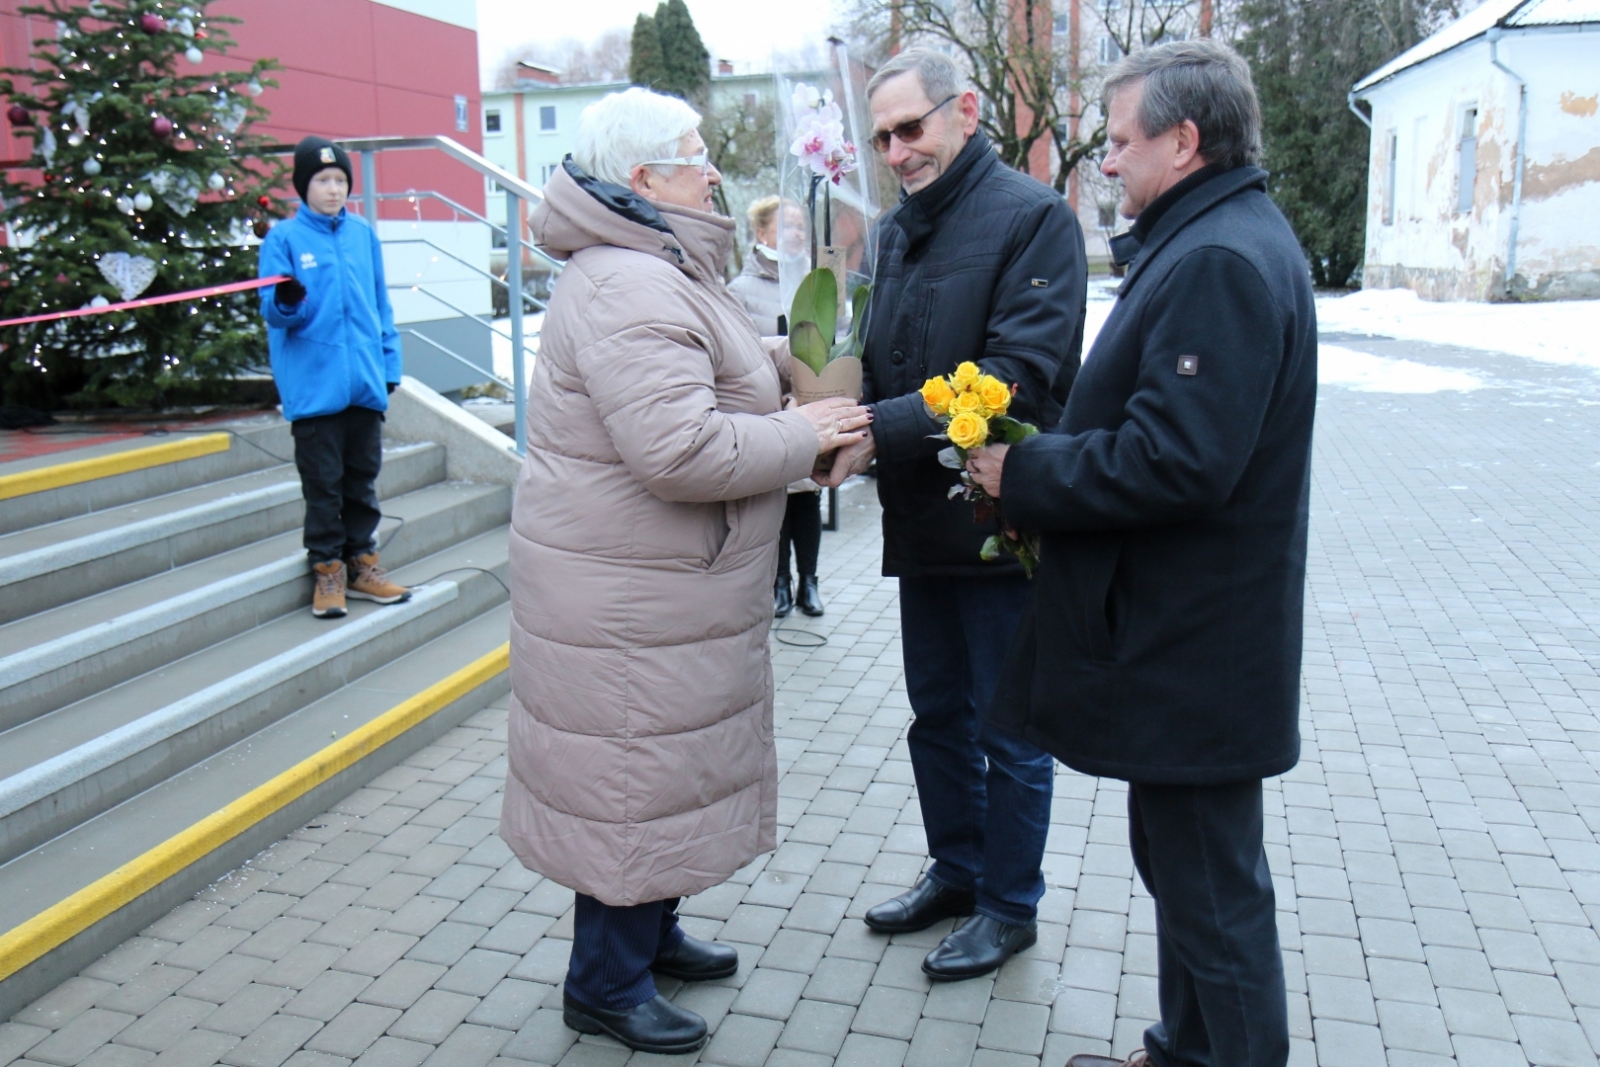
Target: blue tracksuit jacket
<point>338,347</point>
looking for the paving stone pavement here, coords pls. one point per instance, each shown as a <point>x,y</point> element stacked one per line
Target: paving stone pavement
<point>1437,870</point>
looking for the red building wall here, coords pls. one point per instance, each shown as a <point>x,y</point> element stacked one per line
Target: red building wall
<point>351,68</point>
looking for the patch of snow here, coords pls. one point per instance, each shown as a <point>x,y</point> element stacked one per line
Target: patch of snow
<point>1557,331</point>
<point>531,325</point>
<point>1366,373</point>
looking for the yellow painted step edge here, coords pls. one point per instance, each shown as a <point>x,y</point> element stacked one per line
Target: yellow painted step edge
<point>134,459</point>
<point>57,924</point>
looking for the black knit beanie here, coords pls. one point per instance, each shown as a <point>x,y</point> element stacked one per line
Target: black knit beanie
<point>315,154</point>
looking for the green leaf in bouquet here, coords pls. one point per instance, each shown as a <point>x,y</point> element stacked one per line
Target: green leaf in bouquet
<point>952,457</point>
<point>806,345</point>
<point>817,301</point>
<point>991,549</point>
<point>1010,430</point>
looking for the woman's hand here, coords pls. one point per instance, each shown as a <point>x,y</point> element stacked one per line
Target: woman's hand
<point>839,421</point>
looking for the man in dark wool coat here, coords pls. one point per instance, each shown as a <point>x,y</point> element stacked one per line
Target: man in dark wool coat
<point>1163,640</point>
<point>976,263</point>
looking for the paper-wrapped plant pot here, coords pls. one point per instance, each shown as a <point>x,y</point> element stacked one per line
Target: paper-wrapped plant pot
<point>839,377</point>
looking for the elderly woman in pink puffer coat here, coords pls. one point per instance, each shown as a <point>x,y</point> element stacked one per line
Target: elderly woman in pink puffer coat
<point>644,540</point>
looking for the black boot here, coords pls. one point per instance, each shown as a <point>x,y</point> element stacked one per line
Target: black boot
<point>782,597</point>
<point>657,1025</point>
<point>810,599</point>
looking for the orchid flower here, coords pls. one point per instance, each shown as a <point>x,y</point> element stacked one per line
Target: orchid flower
<point>819,141</point>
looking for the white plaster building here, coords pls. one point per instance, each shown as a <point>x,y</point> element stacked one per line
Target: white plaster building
<point>1485,158</point>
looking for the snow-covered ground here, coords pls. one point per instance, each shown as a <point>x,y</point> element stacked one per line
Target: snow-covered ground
<point>531,324</point>
<point>1565,332</point>
<point>1557,331</point>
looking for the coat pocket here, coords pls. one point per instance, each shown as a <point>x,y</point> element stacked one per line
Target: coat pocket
<point>1103,612</point>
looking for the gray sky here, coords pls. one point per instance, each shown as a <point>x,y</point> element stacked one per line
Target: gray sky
<point>739,30</point>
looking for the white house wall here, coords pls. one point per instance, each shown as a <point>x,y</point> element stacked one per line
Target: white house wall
<point>1416,236</point>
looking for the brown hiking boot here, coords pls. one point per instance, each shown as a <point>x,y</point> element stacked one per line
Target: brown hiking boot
<point>327,601</point>
<point>369,582</point>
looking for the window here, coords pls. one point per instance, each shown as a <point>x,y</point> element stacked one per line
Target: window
<point>547,118</point>
<point>1110,51</point>
<point>1393,166</point>
<point>1467,152</point>
<point>491,122</point>
<point>547,172</point>
<point>1063,22</point>
<point>1110,7</point>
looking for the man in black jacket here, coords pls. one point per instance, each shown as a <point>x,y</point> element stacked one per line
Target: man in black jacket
<point>981,263</point>
<point>1162,645</point>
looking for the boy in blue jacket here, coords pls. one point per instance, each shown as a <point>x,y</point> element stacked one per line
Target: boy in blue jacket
<point>336,359</point>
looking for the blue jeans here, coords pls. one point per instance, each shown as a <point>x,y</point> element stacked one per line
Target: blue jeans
<point>613,948</point>
<point>985,794</point>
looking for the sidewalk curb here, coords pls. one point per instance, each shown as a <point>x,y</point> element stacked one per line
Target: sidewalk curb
<point>59,941</point>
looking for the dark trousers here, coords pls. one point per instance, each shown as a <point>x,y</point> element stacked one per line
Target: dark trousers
<point>985,794</point>
<point>613,947</point>
<point>339,457</point>
<point>1199,852</point>
<point>802,526</point>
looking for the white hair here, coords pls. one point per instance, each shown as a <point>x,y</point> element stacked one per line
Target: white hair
<point>624,129</point>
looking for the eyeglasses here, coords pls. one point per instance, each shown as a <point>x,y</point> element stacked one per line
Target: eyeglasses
<point>906,131</point>
<point>702,160</point>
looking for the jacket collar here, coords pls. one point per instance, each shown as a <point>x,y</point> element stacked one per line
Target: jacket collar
<point>580,211</point>
<point>1188,207</point>
<point>920,212</point>
<point>318,221</point>
<point>759,266</point>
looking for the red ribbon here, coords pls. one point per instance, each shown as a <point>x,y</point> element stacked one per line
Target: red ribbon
<point>151,301</point>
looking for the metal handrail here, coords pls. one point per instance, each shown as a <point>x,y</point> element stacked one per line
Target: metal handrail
<point>516,191</point>
<point>555,265</point>
<point>458,357</point>
<point>535,301</point>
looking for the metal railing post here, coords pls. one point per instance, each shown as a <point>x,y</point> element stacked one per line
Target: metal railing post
<point>369,186</point>
<point>519,379</point>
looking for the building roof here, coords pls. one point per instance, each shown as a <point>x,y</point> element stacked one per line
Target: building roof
<point>1510,14</point>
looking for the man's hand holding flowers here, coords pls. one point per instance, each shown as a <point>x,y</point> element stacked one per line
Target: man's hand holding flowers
<point>985,465</point>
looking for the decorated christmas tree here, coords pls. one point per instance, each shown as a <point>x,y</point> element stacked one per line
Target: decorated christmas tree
<point>148,181</point>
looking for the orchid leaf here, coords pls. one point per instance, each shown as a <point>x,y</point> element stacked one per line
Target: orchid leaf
<point>816,300</point>
<point>858,317</point>
<point>806,345</point>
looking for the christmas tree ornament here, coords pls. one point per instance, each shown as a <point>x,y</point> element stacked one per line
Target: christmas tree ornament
<point>193,54</point>
<point>131,275</point>
<point>152,23</point>
<point>91,166</point>
<point>97,9</point>
<point>75,138</point>
<point>184,26</point>
<point>47,146</point>
<point>125,204</point>
<point>261,227</point>
<point>142,201</point>
<point>161,126</point>
<point>255,88</point>
<point>216,182</point>
<point>18,115</point>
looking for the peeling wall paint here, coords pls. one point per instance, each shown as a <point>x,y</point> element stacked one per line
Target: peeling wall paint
<point>1424,234</point>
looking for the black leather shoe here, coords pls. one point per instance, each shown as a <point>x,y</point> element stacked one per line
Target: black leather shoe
<point>697,961</point>
<point>919,908</point>
<point>782,598</point>
<point>978,946</point>
<point>809,599</point>
<point>657,1025</point>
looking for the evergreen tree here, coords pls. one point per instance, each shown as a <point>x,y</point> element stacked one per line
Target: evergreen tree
<point>646,66</point>
<point>1305,55</point>
<point>145,174</point>
<point>688,64</point>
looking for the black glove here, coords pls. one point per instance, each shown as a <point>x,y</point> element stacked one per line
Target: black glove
<point>288,293</point>
<point>392,387</point>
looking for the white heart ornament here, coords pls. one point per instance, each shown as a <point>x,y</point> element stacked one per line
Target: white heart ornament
<point>131,275</point>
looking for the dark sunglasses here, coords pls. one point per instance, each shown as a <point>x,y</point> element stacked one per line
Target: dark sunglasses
<point>906,131</point>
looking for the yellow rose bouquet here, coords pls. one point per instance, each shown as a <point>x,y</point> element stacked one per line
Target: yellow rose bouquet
<point>972,406</point>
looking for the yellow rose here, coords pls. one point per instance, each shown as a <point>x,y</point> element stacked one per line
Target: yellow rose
<point>965,377</point>
<point>995,393</point>
<point>968,403</point>
<point>937,394</point>
<point>967,430</point>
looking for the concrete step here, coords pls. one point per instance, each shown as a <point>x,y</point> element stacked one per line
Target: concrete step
<point>62,768</point>
<point>100,847</point>
<point>46,566</point>
<point>254,444</point>
<point>68,653</point>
